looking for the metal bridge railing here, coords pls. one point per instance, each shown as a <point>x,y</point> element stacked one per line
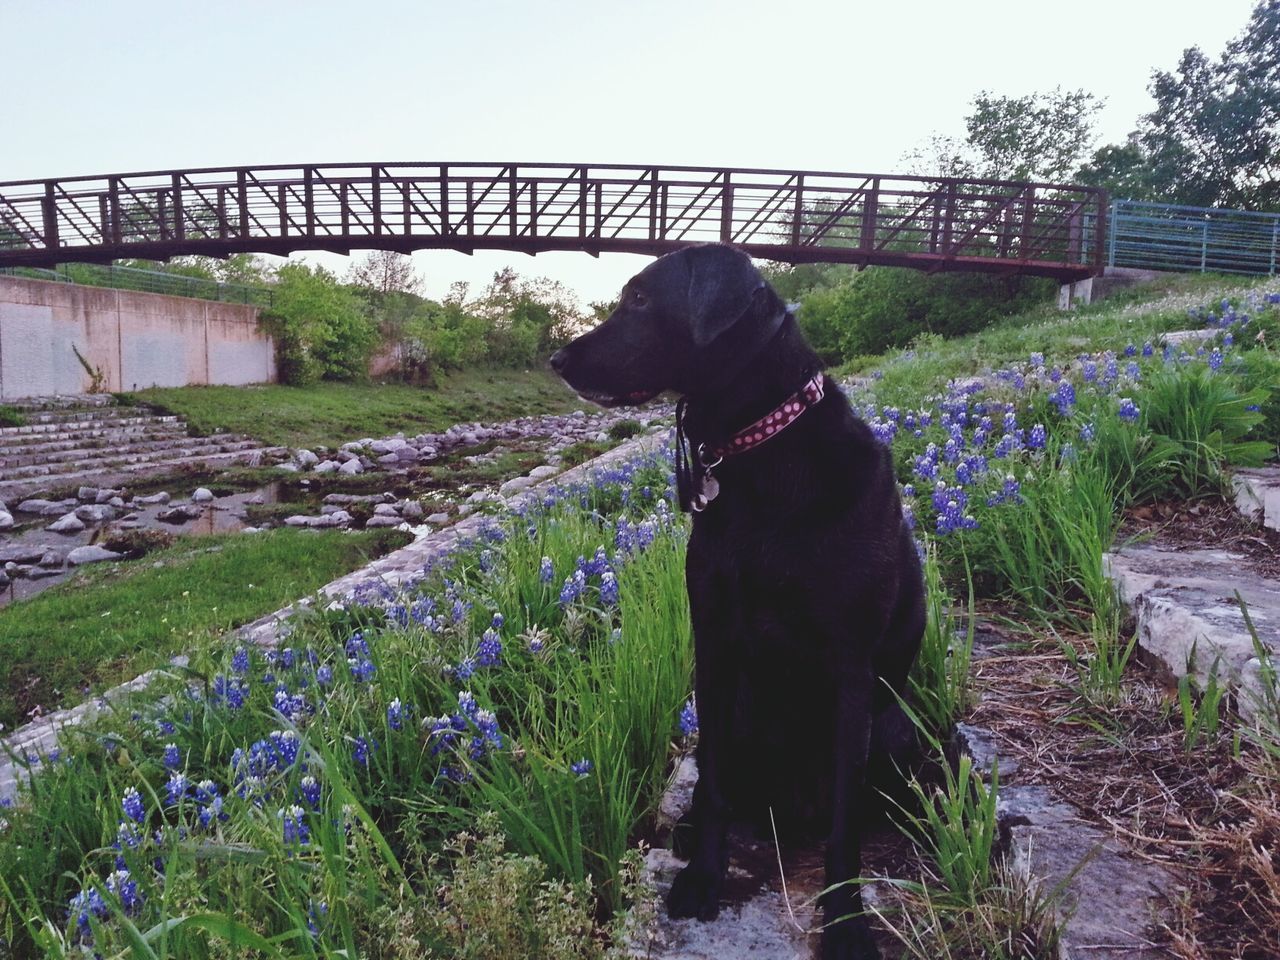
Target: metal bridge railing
<point>1159,236</point>
<point>147,281</point>
<point>789,215</point>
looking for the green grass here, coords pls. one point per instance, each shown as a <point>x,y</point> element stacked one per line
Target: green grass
<point>9,417</point>
<point>330,414</point>
<point>110,623</point>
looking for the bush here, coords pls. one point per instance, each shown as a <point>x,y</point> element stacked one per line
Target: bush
<point>886,307</point>
<point>320,327</point>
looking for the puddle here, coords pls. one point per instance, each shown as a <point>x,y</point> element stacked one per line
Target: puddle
<point>30,542</point>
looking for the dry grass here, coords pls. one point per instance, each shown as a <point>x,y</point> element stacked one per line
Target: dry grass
<point>1210,815</point>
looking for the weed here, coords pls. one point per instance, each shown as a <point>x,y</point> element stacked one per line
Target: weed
<point>9,417</point>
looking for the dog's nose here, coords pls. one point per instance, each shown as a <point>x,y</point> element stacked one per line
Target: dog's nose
<point>559,360</point>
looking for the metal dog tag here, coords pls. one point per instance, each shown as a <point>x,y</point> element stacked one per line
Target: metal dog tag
<point>708,490</point>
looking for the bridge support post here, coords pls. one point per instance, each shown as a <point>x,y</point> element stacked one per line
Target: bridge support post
<point>1078,294</point>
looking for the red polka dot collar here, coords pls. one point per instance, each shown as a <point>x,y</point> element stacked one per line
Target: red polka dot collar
<point>772,424</point>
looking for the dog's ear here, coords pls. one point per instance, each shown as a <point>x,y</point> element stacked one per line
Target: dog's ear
<point>722,285</point>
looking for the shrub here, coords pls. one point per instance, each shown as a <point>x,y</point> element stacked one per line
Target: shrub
<point>320,327</point>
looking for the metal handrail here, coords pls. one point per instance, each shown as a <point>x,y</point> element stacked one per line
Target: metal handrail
<point>1175,237</point>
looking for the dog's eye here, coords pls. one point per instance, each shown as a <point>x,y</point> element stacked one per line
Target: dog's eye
<point>638,299</point>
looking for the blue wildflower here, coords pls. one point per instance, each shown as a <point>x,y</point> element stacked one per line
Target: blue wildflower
<point>240,661</point>
<point>608,589</point>
<point>582,767</point>
<point>172,756</point>
<point>688,719</point>
<point>177,787</point>
<point>362,748</point>
<point>395,714</point>
<point>132,805</point>
<point>309,787</point>
<point>1037,437</point>
<point>324,675</point>
<point>296,831</point>
<point>1128,409</point>
<point>489,653</point>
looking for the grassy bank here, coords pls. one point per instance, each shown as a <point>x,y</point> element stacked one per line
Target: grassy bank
<point>111,622</point>
<point>331,414</point>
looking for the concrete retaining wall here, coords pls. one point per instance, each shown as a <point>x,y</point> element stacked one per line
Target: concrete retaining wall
<point>137,340</point>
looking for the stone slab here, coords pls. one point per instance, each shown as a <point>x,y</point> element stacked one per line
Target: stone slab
<point>1257,495</point>
<point>1109,899</point>
<point>1188,618</point>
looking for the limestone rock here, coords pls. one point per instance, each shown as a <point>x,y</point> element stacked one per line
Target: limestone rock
<point>91,554</point>
<point>326,466</point>
<point>87,494</point>
<point>383,521</point>
<point>202,495</point>
<point>305,458</point>
<point>179,514</point>
<point>386,510</point>
<point>95,512</point>
<point>351,467</point>
<point>161,497</point>
<point>35,505</point>
<point>68,524</point>
<point>6,520</point>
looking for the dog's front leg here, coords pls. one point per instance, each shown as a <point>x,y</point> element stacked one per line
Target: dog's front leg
<point>696,889</point>
<point>847,935</point>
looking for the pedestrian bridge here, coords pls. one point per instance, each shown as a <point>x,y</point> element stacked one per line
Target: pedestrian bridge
<point>795,216</point>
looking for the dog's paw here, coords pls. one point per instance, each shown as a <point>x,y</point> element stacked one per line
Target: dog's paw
<point>694,893</point>
<point>850,940</point>
<point>684,837</point>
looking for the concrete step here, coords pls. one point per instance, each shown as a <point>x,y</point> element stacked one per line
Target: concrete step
<point>59,426</point>
<point>1258,495</point>
<point>188,447</point>
<point>78,450</point>
<point>61,402</point>
<point>88,437</point>
<point>1188,619</point>
<point>20,488</point>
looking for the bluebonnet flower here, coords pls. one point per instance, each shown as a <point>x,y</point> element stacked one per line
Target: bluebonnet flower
<point>229,691</point>
<point>688,719</point>
<point>361,670</point>
<point>1128,409</point>
<point>132,805</point>
<point>489,653</point>
<point>465,669</point>
<point>125,888</point>
<point>316,915</point>
<point>361,748</point>
<point>1064,398</point>
<point>1006,446</point>
<point>324,675</point>
<point>1148,349</point>
<point>309,787</point>
<point>608,589</point>
<point>582,767</point>
<point>1037,360</point>
<point>1215,359</point>
<point>1087,432</point>
<point>1037,437</point>
<point>296,831</point>
<point>172,756</point>
<point>1130,350</point>
<point>210,803</point>
<point>908,516</point>
<point>176,788</point>
<point>467,703</point>
<point>572,588</point>
<point>395,714</point>
<point>926,464</point>
<point>536,644</point>
<point>240,661</point>
<point>1132,371</point>
<point>1089,370</point>
<point>82,907</point>
<point>294,706</point>
<point>165,728</point>
<point>952,517</point>
<point>497,621</point>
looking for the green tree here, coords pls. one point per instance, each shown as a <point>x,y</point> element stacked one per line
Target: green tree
<point>320,326</point>
<point>1039,136</point>
<point>1122,170</point>
<point>528,319</point>
<point>1214,136</point>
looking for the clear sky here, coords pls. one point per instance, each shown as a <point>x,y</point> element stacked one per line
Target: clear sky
<point>97,86</point>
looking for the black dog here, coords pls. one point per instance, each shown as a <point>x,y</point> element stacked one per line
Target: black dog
<point>804,584</point>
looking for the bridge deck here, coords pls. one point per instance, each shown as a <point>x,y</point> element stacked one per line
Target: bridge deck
<point>795,216</point>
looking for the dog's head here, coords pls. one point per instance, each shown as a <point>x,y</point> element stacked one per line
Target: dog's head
<point>684,323</point>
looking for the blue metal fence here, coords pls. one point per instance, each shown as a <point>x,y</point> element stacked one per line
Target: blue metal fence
<point>1160,236</point>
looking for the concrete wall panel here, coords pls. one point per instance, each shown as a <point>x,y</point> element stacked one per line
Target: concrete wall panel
<point>135,339</point>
